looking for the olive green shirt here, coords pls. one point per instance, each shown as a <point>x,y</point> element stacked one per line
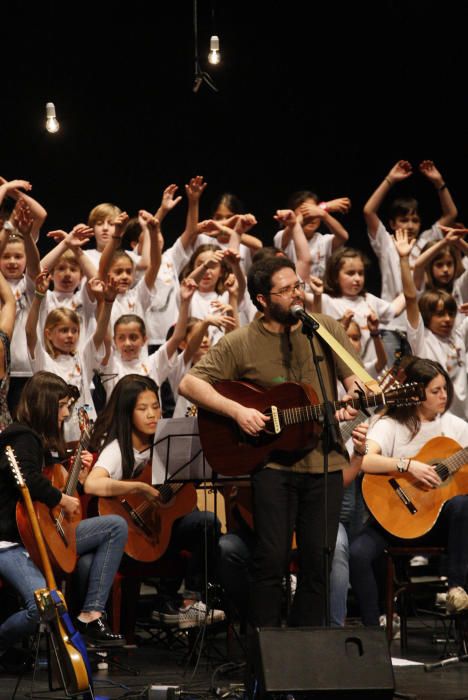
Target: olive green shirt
<point>254,354</point>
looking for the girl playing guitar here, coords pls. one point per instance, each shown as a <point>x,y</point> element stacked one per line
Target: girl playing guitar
<point>36,438</point>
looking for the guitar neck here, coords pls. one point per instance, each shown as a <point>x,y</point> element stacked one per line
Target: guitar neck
<point>315,412</point>
<point>46,566</point>
<point>452,464</point>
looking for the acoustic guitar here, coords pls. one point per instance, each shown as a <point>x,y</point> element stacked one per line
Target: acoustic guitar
<point>402,505</point>
<point>294,427</point>
<point>58,528</point>
<point>150,522</point>
<point>67,644</point>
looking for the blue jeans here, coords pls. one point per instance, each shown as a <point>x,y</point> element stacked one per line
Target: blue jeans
<point>103,538</point>
<point>339,579</point>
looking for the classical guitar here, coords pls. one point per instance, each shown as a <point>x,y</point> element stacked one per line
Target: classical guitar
<point>58,529</point>
<point>67,644</point>
<point>402,505</point>
<point>294,427</point>
<point>150,522</point>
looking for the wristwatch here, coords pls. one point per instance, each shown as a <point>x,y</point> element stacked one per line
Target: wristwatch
<point>402,464</point>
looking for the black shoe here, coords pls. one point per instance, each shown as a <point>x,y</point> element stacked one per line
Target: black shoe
<point>98,633</point>
<point>15,661</point>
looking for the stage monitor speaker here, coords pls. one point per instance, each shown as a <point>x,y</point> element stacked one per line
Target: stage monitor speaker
<point>321,662</point>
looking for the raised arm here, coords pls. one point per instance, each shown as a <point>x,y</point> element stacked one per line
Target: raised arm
<point>340,234</point>
<point>193,190</point>
<point>409,290</point>
<point>24,222</point>
<point>8,309</point>
<point>293,231</point>
<point>379,347</point>
<point>400,171</point>
<point>447,205</point>
<point>112,245</point>
<point>155,248</point>
<point>42,285</point>
<point>38,212</point>
<point>187,289</point>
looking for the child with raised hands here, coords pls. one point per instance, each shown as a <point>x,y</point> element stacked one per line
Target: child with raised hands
<point>55,346</point>
<point>130,353</point>
<point>311,214</point>
<point>354,333</point>
<point>221,230</point>
<point>440,266</point>
<point>101,219</point>
<point>210,267</point>
<point>403,214</point>
<point>73,277</point>
<point>7,323</point>
<point>116,265</point>
<point>431,328</point>
<point>19,264</point>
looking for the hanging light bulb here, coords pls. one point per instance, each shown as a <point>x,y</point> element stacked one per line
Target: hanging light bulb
<point>214,56</point>
<point>52,124</point>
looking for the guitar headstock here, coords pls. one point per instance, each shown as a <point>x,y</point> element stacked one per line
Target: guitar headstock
<point>86,425</point>
<point>408,394</point>
<point>15,467</point>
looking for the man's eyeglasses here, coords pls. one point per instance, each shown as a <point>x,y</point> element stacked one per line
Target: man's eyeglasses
<point>286,292</point>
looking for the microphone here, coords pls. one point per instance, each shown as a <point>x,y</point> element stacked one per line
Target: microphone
<point>301,315</point>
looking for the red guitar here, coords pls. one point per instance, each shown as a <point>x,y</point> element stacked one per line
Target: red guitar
<point>58,529</point>
<point>294,426</point>
<point>150,523</point>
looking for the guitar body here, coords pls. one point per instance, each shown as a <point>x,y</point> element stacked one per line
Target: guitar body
<point>230,452</point>
<point>58,529</point>
<point>149,524</point>
<point>417,512</point>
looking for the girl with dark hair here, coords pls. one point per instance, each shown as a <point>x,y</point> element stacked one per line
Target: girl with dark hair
<point>37,440</point>
<point>124,435</point>
<point>394,442</point>
<point>431,328</point>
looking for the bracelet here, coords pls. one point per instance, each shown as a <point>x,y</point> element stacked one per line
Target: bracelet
<point>323,205</point>
<point>389,182</point>
<point>442,187</point>
<point>38,294</point>
<point>407,466</point>
<point>402,464</point>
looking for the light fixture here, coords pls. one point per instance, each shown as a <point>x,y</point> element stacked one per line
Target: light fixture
<point>52,124</point>
<point>214,55</point>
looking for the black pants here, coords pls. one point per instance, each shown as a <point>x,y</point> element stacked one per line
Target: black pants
<point>284,500</point>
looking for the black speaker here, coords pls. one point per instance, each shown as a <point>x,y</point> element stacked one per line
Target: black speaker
<point>320,662</point>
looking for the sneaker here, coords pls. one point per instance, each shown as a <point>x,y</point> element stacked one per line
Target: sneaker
<point>197,614</point>
<point>457,600</point>
<point>395,625</point>
<point>167,614</point>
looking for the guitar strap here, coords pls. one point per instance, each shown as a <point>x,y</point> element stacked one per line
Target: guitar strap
<point>355,367</point>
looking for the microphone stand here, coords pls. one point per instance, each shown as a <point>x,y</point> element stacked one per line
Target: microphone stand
<point>330,439</point>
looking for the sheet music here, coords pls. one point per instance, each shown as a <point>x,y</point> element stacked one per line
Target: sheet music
<point>177,452</point>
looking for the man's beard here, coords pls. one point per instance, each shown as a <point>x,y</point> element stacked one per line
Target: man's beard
<point>281,315</point>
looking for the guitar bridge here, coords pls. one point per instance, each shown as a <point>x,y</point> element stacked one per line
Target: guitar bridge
<point>403,496</point>
<point>275,419</point>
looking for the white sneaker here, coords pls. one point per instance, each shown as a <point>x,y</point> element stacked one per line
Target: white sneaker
<point>197,614</point>
<point>395,625</point>
<point>419,560</point>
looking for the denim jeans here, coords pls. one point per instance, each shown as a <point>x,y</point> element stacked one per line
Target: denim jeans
<point>339,579</point>
<point>101,540</point>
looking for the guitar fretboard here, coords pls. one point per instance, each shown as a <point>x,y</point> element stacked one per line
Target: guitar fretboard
<point>300,414</point>
<point>452,464</point>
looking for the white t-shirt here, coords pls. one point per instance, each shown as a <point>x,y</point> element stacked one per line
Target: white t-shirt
<point>156,366</point>
<point>361,305</point>
<point>110,459</point>
<point>163,310</point>
<point>395,439</point>
<point>135,301</point>
<point>176,374</point>
<point>79,302</point>
<point>450,353</point>
<point>320,246</point>
<point>389,263</point>
<point>23,291</point>
<point>74,369</point>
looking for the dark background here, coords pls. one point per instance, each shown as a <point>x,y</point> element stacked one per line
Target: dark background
<point>321,96</point>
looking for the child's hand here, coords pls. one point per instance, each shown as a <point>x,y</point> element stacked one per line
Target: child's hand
<point>346,319</point>
<point>215,258</point>
<point>231,257</point>
<point>15,185</point>
<point>195,188</point>
<point>231,285</point>
<point>463,308</point>
<point>104,291</point>
<point>222,321</point>
<point>188,287</point>
<point>359,436</point>
<point>341,205</point>
<point>429,170</point>
<point>285,217</point>
<point>79,235</point>
<point>42,281</point>
<point>242,222</point>
<point>120,222</point>
<point>316,285</point>
<point>308,210</point>
<point>150,221</point>
<point>22,218</point>
<point>372,322</point>
<point>402,244</point>
<point>453,234</point>
<point>400,171</point>
<point>169,200</point>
